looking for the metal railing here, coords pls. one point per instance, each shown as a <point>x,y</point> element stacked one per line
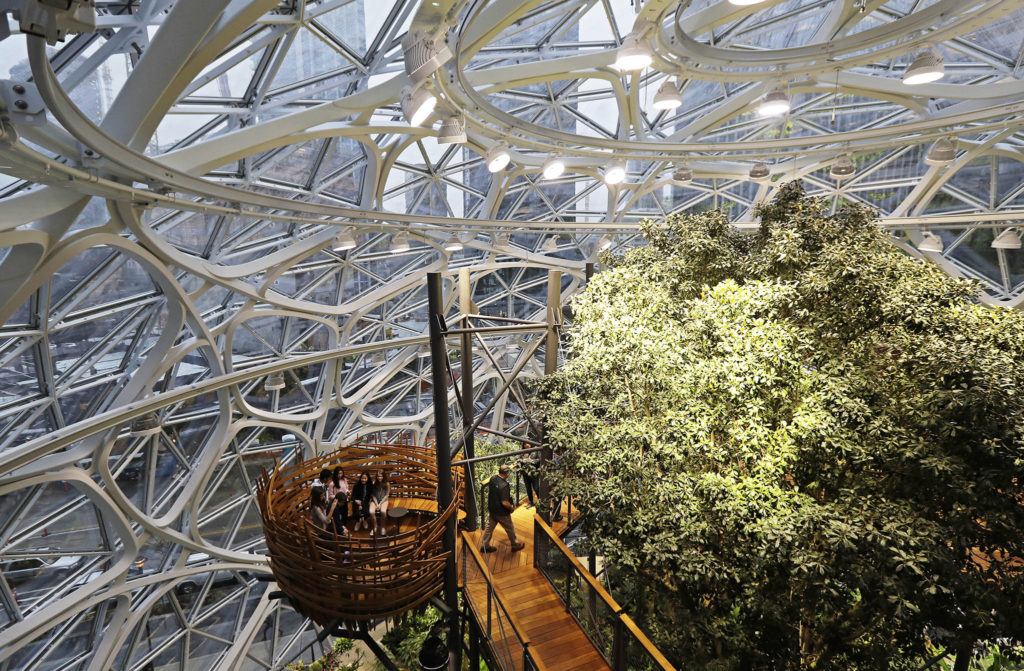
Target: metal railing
<point>614,634</point>
<point>505,636</point>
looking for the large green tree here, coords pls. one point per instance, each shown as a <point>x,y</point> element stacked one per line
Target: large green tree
<point>798,448</point>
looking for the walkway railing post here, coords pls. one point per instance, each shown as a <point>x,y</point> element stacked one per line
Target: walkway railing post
<point>442,443</point>
<point>619,646</point>
<point>466,378</point>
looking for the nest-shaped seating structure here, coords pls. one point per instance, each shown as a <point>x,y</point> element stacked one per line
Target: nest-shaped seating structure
<point>332,579</point>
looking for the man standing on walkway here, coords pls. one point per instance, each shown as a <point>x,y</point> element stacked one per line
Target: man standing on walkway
<point>499,505</point>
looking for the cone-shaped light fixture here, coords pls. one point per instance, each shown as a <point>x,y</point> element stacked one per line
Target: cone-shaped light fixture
<point>681,175</point>
<point>775,103</point>
<point>452,131</point>
<point>553,167</point>
<point>144,425</point>
<point>274,382</point>
<point>941,153</point>
<point>667,97</point>
<point>498,157</point>
<point>926,67</point>
<point>759,171</point>
<point>930,242</point>
<point>1008,239</point>
<point>400,243</point>
<point>633,55</point>
<point>614,173</point>
<point>417,104</point>
<point>842,168</point>
<point>453,244</point>
<point>344,242</point>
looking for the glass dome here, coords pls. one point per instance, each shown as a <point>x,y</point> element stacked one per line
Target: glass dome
<point>179,310</point>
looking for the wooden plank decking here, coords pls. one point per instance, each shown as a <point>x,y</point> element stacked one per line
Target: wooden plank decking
<point>556,640</point>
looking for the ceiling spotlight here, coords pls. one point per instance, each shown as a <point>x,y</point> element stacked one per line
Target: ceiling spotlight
<point>274,382</point>
<point>1008,239</point>
<point>930,242</point>
<point>681,175</point>
<point>400,243</point>
<point>941,153</point>
<point>453,244</point>
<point>614,173</point>
<point>604,243</point>
<point>498,157</point>
<point>633,54</point>
<point>926,67</point>
<point>842,168</point>
<point>452,131</point>
<point>423,55</point>
<point>667,97</point>
<point>775,103</point>
<point>344,242</point>
<point>550,245</point>
<point>553,167</point>
<point>501,241</point>
<point>144,425</point>
<point>417,104</point>
<point>759,171</point>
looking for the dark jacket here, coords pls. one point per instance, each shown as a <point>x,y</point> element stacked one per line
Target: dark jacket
<point>497,492</point>
<point>361,493</point>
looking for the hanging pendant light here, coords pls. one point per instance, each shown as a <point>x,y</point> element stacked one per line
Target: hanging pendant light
<point>400,243</point>
<point>842,168</point>
<point>759,171</point>
<point>926,67</point>
<point>274,382</point>
<point>942,152</point>
<point>681,175</point>
<point>453,244</point>
<point>775,103</point>
<point>1008,239</point>
<point>144,425</point>
<point>344,242</point>
<point>633,55</point>
<point>930,242</point>
<point>667,97</point>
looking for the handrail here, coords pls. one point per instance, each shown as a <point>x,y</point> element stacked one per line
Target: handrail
<point>624,624</point>
<point>469,547</point>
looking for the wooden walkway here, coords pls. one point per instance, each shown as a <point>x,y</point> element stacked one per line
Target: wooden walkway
<point>555,638</point>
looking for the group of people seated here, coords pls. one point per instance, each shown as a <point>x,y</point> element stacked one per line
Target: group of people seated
<point>333,502</point>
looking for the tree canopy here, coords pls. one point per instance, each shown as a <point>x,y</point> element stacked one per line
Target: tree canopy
<point>797,448</point>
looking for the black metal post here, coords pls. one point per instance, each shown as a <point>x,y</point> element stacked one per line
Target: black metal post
<point>442,444</point>
<point>619,646</point>
<point>466,376</point>
<point>589,271</point>
<point>554,318</point>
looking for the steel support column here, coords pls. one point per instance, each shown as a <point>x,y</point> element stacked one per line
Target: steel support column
<point>442,443</point>
<point>553,319</point>
<point>466,373</point>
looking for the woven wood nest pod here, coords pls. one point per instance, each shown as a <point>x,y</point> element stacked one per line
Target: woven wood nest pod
<point>331,578</point>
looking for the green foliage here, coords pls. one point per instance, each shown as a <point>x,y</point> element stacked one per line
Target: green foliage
<point>798,448</point>
<point>405,639</point>
<point>332,661</point>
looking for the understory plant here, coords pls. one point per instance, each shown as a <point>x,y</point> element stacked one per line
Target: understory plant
<point>797,448</point>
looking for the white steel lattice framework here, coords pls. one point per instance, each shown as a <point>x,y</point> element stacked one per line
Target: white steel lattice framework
<point>174,177</point>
